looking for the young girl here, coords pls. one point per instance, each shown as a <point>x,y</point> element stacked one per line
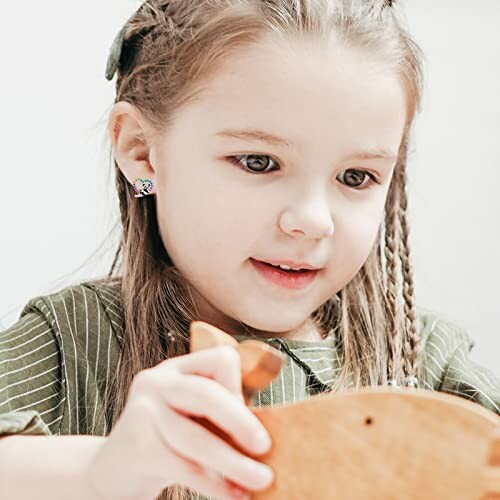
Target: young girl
<point>247,135</point>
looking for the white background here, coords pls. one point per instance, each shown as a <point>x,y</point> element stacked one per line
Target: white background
<point>57,204</point>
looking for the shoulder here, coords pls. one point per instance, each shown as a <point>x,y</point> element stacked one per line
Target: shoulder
<point>30,378</point>
<point>436,327</point>
<point>441,337</point>
<point>41,356</point>
<point>86,324</point>
<point>447,365</point>
<point>79,307</point>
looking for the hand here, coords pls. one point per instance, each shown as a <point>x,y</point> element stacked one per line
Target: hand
<point>156,442</point>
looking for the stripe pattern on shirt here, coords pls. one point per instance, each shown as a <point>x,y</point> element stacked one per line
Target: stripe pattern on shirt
<point>56,360</point>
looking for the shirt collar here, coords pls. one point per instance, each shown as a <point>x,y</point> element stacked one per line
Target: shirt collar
<point>319,358</point>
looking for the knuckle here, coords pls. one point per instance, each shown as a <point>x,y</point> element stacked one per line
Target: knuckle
<point>149,380</point>
<point>230,356</point>
<point>195,470</point>
<point>144,405</point>
<point>142,380</point>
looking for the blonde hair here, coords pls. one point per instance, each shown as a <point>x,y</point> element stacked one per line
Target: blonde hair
<point>169,49</point>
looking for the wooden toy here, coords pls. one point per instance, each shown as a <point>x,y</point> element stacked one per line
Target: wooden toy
<point>371,444</point>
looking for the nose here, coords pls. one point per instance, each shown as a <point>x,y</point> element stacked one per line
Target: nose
<point>310,217</point>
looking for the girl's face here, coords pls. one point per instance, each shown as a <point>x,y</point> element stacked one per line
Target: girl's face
<point>317,123</point>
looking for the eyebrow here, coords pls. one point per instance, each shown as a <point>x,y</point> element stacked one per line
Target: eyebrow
<point>373,154</point>
<point>254,135</point>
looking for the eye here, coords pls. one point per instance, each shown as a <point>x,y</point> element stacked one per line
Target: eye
<point>255,163</point>
<point>353,175</point>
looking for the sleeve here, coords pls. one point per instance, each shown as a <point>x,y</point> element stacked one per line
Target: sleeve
<point>470,380</point>
<point>31,393</point>
<point>449,346</point>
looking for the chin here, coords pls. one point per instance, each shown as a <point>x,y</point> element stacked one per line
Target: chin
<point>275,326</point>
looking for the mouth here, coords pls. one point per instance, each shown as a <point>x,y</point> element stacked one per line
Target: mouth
<point>287,278</point>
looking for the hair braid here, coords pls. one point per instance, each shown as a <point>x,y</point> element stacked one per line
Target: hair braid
<point>412,339</point>
<point>391,249</point>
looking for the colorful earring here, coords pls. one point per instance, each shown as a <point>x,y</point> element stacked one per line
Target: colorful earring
<point>142,187</point>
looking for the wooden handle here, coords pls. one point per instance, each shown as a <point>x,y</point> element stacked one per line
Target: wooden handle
<point>204,335</point>
<point>260,364</point>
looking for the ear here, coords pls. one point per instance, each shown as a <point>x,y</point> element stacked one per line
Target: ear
<point>130,137</point>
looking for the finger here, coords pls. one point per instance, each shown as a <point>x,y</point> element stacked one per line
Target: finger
<point>164,466</point>
<point>221,363</point>
<point>170,468</point>
<point>200,396</point>
<point>211,484</point>
<point>193,442</point>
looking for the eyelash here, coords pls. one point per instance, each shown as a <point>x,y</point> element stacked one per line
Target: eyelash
<point>236,160</point>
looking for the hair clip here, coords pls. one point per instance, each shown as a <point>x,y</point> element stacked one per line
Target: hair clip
<point>115,54</point>
<point>116,49</point>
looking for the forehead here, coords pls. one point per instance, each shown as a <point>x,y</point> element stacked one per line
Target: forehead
<point>306,92</point>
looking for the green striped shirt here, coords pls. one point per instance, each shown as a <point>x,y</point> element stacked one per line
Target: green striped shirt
<point>56,360</point>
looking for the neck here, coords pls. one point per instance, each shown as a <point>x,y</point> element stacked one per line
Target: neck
<point>307,331</point>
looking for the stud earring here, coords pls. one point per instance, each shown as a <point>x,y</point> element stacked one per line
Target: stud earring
<point>142,187</point>
<point>394,384</point>
<point>411,382</point>
<point>408,382</point>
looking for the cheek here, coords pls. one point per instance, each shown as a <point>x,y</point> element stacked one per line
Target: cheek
<point>353,241</point>
<point>206,217</point>
<point>362,229</point>
<point>233,213</point>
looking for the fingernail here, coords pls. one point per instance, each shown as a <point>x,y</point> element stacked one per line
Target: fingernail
<point>264,474</point>
<point>262,441</point>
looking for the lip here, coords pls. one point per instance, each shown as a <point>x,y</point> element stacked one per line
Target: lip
<point>285,279</point>
<point>291,263</point>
